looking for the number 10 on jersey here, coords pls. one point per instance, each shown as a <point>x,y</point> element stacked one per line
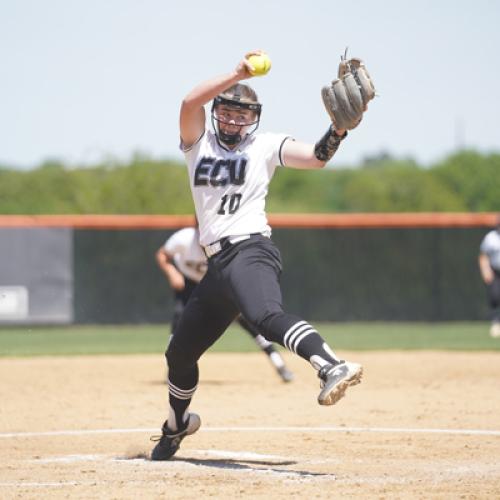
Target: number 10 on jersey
<point>229,204</point>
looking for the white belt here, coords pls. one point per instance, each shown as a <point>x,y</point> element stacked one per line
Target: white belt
<point>216,247</point>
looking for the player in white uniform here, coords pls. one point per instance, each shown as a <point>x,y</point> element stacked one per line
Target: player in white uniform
<point>184,263</point>
<point>489,266</point>
<point>229,172</point>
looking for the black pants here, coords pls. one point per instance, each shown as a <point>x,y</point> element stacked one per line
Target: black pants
<point>241,278</point>
<point>181,299</point>
<point>494,296</point>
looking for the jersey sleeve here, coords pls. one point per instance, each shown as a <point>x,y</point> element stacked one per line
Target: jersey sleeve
<point>485,246</point>
<point>274,143</point>
<point>176,243</point>
<point>194,147</point>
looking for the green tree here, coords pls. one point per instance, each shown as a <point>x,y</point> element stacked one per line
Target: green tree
<point>465,181</point>
<point>475,179</point>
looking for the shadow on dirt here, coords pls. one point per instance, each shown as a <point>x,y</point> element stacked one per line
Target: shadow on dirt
<point>254,465</point>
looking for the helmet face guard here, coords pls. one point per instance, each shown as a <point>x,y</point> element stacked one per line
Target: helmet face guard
<point>236,103</point>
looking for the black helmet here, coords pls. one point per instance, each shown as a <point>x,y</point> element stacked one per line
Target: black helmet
<point>238,96</point>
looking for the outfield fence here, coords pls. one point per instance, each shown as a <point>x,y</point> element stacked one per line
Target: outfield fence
<point>337,267</point>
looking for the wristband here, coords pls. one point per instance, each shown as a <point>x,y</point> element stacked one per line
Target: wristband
<point>326,147</point>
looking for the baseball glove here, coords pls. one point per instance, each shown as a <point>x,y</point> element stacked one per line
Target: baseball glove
<point>346,99</point>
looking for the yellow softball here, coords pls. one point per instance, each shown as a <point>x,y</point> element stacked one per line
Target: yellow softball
<point>261,64</point>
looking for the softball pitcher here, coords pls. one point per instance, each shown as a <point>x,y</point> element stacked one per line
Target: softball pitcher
<point>229,173</point>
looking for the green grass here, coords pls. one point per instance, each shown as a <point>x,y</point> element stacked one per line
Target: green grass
<point>132,339</point>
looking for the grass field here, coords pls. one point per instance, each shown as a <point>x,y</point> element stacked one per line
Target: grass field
<point>132,339</point>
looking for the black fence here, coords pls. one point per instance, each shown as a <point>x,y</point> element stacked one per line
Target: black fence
<point>336,274</point>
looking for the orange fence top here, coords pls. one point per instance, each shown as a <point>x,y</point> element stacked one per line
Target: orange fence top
<point>385,220</point>
<point>351,220</point>
<point>98,221</point>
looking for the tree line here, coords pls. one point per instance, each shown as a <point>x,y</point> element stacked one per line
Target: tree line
<point>466,181</point>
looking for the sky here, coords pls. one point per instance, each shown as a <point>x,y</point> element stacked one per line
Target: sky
<point>84,81</point>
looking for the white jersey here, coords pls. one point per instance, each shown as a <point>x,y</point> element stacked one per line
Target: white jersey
<point>491,247</point>
<point>230,187</point>
<point>184,249</point>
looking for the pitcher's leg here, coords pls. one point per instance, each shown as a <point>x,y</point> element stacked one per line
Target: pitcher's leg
<point>181,298</point>
<point>205,318</point>
<point>254,278</point>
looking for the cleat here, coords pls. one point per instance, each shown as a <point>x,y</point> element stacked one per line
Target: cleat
<point>335,379</point>
<point>285,374</point>
<point>169,441</point>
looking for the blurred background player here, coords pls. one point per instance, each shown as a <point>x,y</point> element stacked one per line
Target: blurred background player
<point>489,266</point>
<point>184,263</point>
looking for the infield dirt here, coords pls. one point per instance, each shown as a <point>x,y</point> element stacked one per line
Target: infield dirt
<point>410,430</point>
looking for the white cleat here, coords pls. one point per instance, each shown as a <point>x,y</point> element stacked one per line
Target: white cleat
<point>335,379</point>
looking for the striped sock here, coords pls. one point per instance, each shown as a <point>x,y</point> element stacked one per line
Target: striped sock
<point>302,339</point>
<point>179,401</point>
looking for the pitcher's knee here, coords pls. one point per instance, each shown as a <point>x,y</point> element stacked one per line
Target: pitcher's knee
<point>178,358</point>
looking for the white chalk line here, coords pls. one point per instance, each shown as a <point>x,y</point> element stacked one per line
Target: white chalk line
<point>394,430</point>
<point>67,459</point>
<point>221,454</point>
<point>275,470</point>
